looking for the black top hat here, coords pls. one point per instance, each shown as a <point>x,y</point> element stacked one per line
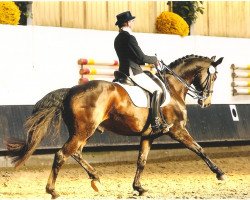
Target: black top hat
<point>124,17</point>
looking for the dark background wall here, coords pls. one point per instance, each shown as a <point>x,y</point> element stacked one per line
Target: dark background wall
<point>205,125</point>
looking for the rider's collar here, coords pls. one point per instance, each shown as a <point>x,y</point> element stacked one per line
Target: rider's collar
<point>125,28</point>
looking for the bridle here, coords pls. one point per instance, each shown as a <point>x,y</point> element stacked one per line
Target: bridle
<point>202,94</point>
<point>208,81</point>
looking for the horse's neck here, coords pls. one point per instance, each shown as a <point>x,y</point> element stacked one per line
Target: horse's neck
<point>187,73</point>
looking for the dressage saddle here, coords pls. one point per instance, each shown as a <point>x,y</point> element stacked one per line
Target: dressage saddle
<point>124,79</point>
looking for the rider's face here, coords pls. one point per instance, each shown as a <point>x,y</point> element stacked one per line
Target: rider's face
<point>131,23</point>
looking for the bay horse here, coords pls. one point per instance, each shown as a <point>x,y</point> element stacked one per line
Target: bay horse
<point>106,105</point>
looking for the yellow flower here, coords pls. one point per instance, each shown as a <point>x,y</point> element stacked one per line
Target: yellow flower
<point>171,23</point>
<point>9,13</point>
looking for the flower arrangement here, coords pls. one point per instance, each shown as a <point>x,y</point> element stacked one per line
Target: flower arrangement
<point>9,13</point>
<point>188,10</point>
<point>25,12</point>
<point>171,23</point>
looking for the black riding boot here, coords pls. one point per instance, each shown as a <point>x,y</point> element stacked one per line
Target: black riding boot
<point>158,125</point>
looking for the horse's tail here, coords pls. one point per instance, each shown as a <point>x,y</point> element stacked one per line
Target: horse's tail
<point>46,116</point>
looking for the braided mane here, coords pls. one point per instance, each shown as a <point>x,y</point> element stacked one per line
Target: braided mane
<point>187,58</point>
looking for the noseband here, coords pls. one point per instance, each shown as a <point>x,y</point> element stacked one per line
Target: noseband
<point>206,89</point>
<point>196,94</point>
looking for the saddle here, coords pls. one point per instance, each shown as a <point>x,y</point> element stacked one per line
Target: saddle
<point>123,78</point>
<point>139,96</point>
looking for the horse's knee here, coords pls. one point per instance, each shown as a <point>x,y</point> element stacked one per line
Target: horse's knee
<point>59,159</point>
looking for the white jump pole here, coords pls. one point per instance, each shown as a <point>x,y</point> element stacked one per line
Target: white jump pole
<point>240,74</point>
<point>237,83</point>
<point>241,91</point>
<point>236,66</point>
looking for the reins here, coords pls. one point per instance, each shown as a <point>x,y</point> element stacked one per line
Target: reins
<point>196,93</point>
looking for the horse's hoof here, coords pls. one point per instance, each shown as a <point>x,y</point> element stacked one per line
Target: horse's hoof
<point>221,177</point>
<point>52,192</point>
<point>55,196</point>
<point>96,185</point>
<point>143,192</point>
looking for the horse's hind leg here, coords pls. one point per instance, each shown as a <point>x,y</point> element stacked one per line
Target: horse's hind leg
<point>61,156</point>
<point>183,137</point>
<point>145,146</point>
<point>93,174</point>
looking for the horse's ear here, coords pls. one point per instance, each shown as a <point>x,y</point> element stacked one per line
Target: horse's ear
<point>219,61</point>
<point>213,58</point>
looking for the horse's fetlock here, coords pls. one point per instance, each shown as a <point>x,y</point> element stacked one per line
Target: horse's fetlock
<point>49,189</point>
<point>137,186</point>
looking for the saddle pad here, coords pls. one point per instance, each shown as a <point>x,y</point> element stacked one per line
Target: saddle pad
<point>139,96</point>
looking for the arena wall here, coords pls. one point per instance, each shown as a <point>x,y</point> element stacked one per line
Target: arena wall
<point>36,60</point>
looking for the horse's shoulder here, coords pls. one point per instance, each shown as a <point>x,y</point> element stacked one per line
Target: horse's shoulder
<point>177,106</point>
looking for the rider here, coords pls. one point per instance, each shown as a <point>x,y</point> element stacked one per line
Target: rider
<point>130,58</point>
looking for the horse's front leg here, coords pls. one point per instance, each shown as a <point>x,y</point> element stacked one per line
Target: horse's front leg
<point>145,146</point>
<point>182,135</point>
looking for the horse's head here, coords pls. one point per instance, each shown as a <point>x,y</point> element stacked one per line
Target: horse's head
<point>193,70</point>
<point>204,81</point>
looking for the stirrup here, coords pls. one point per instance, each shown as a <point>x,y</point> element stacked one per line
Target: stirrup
<point>166,127</point>
<point>160,127</point>
<point>156,127</point>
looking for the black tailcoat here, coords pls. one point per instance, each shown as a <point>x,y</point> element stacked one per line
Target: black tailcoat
<point>130,54</point>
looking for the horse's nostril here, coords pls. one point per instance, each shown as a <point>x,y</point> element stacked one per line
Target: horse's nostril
<point>207,105</point>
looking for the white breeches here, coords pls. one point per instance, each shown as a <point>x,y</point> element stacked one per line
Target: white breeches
<point>145,82</point>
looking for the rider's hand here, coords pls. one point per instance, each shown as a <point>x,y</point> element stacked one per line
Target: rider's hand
<point>157,63</point>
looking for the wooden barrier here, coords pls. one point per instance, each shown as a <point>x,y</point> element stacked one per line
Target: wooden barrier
<point>240,66</point>
<point>237,83</point>
<point>94,69</point>
<point>90,61</point>
<point>241,74</point>
<point>91,69</point>
<point>218,129</point>
<point>241,91</point>
<point>241,79</point>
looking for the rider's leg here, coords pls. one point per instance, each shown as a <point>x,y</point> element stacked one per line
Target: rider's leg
<point>149,84</point>
<point>157,123</point>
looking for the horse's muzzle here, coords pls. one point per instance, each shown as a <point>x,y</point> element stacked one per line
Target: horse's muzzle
<point>203,104</point>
